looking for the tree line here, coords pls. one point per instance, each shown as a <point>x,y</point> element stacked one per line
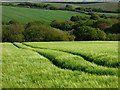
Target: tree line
<point>76,29</point>
<point>14,31</point>
<point>90,28</point>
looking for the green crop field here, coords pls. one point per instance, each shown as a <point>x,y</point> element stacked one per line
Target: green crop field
<point>91,64</point>
<point>109,14</point>
<point>109,6</point>
<point>25,15</point>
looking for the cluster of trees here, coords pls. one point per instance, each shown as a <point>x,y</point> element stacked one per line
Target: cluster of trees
<point>77,28</point>
<point>34,31</point>
<point>93,28</point>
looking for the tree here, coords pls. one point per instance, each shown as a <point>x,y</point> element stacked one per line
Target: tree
<point>14,22</point>
<point>101,35</point>
<point>113,37</point>
<point>115,28</point>
<point>53,7</point>
<point>12,33</point>
<point>103,16</point>
<point>42,32</point>
<point>94,16</point>
<point>69,7</point>
<point>85,33</point>
<point>63,25</point>
<point>102,24</point>
<point>75,18</point>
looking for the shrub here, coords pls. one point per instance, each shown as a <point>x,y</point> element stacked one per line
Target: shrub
<point>113,37</point>
<point>69,7</point>
<point>94,16</point>
<point>63,25</point>
<point>101,35</point>
<point>12,33</point>
<point>115,28</point>
<point>85,33</point>
<point>103,24</point>
<point>42,32</point>
<point>75,18</point>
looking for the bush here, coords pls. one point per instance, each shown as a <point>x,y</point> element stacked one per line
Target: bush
<point>12,33</point>
<point>94,16</point>
<point>53,7</point>
<point>89,33</point>
<point>42,32</point>
<point>101,35</point>
<point>69,7</point>
<point>85,33</point>
<point>102,24</point>
<point>75,18</point>
<point>115,28</point>
<point>63,25</point>
<point>113,37</point>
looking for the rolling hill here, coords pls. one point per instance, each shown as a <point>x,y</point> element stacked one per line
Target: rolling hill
<point>25,15</point>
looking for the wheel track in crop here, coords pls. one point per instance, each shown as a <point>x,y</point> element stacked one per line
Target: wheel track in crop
<point>91,68</point>
<point>71,54</point>
<point>39,54</point>
<point>85,57</point>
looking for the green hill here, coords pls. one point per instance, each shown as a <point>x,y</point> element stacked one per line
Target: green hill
<point>29,14</point>
<point>108,6</point>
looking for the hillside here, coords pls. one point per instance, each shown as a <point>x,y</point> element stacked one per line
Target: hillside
<point>25,15</point>
<point>108,6</point>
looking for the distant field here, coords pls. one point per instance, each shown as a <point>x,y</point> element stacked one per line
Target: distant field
<point>28,14</point>
<point>60,64</point>
<point>109,14</point>
<point>110,6</point>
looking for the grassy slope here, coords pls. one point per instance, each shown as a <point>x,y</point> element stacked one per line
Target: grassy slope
<point>29,14</point>
<point>24,68</point>
<point>110,6</point>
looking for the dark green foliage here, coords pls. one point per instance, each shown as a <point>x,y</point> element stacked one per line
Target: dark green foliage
<point>94,16</point>
<point>115,28</point>
<point>102,24</point>
<point>101,35</point>
<point>63,25</point>
<point>75,18</point>
<point>33,31</point>
<point>85,33</point>
<point>53,7</point>
<point>13,33</point>
<point>83,23</point>
<point>78,8</point>
<point>14,22</point>
<point>69,7</point>
<point>113,37</point>
<point>42,32</point>
<point>103,16</point>
<point>89,33</point>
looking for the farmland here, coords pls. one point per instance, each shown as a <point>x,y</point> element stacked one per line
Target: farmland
<point>109,6</point>
<point>91,64</point>
<point>25,15</point>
